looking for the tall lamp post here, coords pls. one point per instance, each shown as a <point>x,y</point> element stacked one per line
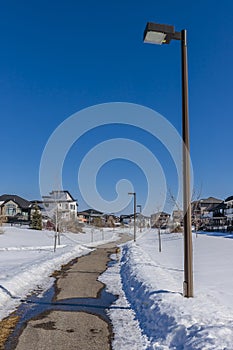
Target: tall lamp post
<point>162,34</point>
<point>140,211</point>
<point>134,209</point>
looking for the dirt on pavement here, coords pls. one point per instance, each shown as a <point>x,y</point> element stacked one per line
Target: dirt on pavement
<point>59,330</point>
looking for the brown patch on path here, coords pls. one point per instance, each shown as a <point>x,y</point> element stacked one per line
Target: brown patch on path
<point>59,330</point>
<point>6,327</point>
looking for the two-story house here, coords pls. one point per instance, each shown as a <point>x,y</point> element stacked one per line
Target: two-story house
<point>202,211</point>
<point>60,203</point>
<point>160,219</point>
<point>217,217</point>
<point>229,210</point>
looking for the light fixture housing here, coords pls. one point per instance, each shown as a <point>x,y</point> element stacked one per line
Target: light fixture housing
<point>156,33</point>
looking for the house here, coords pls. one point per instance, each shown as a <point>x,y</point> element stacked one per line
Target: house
<point>60,203</point>
<point>111,220</point>
<point>201,211</point>
<point>177,217</point>
<point>129,218</point>
<point>229,211</point>
<point>160,219</point>
<point>217,217</point>
<point>89,216</point>
<point>125,219</point>
<point>144,221</point>
<point>16,209</point>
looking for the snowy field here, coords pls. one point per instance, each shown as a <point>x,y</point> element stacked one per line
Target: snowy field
<point>151,312</point>
<point>27,259</point>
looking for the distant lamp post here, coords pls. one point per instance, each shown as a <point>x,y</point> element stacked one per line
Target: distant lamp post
<point>140,211</point>
<point>162,34</point>
<point>134,207</point>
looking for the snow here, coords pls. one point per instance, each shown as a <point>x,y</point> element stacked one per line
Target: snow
<point>150,312</point>
<point>151,288</point>
<point>27,259</point>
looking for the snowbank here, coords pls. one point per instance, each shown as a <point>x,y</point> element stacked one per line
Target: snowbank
<point>27,260</point>
<point>151,284</point>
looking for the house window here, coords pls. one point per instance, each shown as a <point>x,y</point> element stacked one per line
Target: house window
<point>10,209</point>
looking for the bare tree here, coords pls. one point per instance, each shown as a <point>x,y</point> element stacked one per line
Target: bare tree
<point>195,198</point>
<point>160,220</point>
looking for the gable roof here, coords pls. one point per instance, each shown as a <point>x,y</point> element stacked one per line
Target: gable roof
<point>216,206</point>
<point>60,192</point>
<point>22,203</point>
<point>228,199</point>
<point>91,212</point>
<point>160,213</point>
<point>210,200</point>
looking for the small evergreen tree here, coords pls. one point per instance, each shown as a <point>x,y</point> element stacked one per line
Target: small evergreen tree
<point>36,222</point>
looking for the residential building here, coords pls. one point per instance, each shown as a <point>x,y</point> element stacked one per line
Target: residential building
<point>16,209</point>
<point>201,211</point>
<point>177,217</point>
<point>229,210</point>
<point>160,219</point>
<point>217,217</point>
<point>60,203</point>
<point>90,215</point>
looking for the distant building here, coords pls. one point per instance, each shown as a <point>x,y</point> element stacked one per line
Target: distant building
<point>89,215</point>
<point>229,210</point>
<point>177,217</point>
<point>16,209</point>
<point>160,219</point>
<point>217,217</point>
<point>201,211</point>
<point>142,221</point>
<point>62,202</point>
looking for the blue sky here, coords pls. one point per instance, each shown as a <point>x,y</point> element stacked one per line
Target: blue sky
<point>59,57</point>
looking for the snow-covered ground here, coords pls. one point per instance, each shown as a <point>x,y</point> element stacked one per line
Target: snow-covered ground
<point>27,259</point>
<point>151,312</point>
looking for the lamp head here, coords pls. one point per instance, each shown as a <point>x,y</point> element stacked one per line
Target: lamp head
<point>155,33</point>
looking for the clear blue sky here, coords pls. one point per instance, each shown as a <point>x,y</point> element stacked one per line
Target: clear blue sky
<point>58,57</point>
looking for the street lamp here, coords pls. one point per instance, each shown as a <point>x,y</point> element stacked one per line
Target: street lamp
<point>134,207</point>
<point>162,34</point>
<point>140,211</point>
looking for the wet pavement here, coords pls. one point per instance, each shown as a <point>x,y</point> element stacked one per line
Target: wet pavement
<point>72,313</point>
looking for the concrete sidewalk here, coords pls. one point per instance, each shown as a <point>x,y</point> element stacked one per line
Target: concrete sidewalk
<point>59,330</point>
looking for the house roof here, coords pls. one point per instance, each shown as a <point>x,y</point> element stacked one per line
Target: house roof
<point>160,213</point>
<point>65,191</point>
<point>23,203</point>
<point>36,203</point>
<point>228,199</point>
<point>218,207</point>
<point>59,197</point>
<point>90,212</point>
<point>210,200</point>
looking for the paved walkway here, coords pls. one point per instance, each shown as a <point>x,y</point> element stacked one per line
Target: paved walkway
<point>59,330</point>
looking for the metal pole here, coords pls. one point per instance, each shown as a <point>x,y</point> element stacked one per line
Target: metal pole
<point>159,234</point>
<point>56,227</point>
<point>140,221</point>
<point>188,254</point>
<point>135,205</point>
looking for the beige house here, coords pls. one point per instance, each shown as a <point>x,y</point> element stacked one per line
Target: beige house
<point>159,219</point>
<point>15,208</point>
<point>60,202</point>
<point>177,217</point>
